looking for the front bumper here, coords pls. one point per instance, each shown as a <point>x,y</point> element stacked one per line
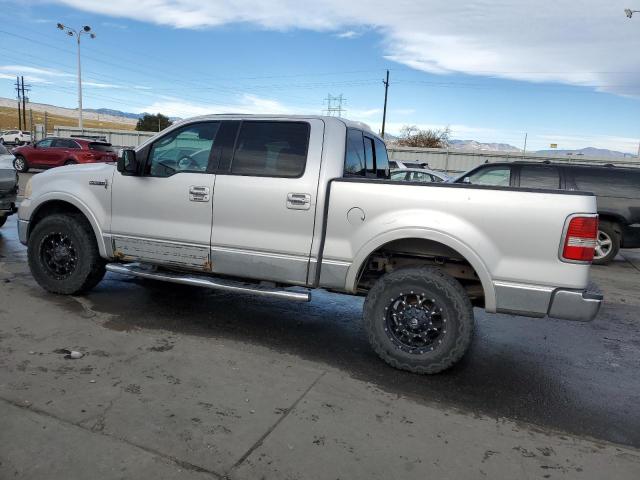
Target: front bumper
<point>23,230</point>
<point>575,305</point>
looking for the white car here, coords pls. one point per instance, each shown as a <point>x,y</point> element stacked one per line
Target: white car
<point>15,137</point>
<point>420,175</point>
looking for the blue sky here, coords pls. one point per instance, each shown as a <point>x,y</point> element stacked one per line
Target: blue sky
<point>564,72</point>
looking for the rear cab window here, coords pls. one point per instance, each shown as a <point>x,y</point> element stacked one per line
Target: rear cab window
<point>365,156</point>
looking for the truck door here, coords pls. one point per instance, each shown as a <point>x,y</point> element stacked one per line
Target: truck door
<point>264,203</point>
<point>164,215</point>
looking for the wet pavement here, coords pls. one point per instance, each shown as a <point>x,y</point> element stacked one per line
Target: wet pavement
<point>572,377</point>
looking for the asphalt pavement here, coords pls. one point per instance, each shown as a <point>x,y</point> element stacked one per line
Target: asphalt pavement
<point>213,384</point>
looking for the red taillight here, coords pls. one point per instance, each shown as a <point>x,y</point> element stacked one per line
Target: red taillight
<point>580,239</point>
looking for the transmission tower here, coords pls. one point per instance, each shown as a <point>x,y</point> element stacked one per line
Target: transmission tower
<point>334,105</point>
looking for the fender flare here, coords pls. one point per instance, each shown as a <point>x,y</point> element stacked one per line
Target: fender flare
<point>425,234</point>
<point>76,202</point>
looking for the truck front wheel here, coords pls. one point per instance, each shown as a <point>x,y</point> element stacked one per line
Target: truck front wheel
<point>63,254</point>
<point>419,319</point>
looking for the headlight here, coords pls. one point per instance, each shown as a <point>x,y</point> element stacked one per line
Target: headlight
<point>27,189</point>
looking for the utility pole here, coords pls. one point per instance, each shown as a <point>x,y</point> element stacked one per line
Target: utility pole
<point>45,123</point>
<point>24,102</point>
<point>19,102</point>
<point>524,150</point>
<point>384,111</point>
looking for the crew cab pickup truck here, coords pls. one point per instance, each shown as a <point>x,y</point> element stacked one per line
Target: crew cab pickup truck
<point>278,206</point>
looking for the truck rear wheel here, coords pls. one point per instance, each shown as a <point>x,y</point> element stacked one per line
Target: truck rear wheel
<point>419,319</point>
<point>63,255</point>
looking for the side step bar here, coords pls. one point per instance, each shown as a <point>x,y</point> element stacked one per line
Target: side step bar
<point>209,282</point>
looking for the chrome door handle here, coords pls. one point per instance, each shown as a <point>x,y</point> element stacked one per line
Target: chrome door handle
<point>298,201</point>
<point>198,193</point>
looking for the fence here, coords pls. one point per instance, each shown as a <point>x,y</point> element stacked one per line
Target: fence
<point>462,160</point>
<point>118,138</point>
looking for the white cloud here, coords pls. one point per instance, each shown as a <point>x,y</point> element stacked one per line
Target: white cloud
<point>31,74</point>
<point>588,43</point>
<point>349,34</point>
<point>245,103</point>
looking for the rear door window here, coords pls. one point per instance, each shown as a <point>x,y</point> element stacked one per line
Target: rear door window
<point>65,143</point>
<point>533,176</point>
<point>494,176</point>
<point>101,147</point>
<point>271,149</point>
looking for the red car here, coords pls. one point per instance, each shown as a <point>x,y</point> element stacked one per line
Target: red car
<point>55,152</point>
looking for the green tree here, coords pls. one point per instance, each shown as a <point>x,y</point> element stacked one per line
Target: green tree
<point>412,136</point>
<point>153,123</point>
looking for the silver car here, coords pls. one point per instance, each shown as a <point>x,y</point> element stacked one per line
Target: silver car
<point>8,185</point>
<point>420,175</point>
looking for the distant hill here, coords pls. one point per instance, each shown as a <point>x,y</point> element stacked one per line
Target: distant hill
<point>586,152</point>
<point>114,113</point>
<point>475,145</point>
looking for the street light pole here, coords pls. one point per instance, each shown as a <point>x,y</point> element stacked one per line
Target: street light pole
<point>86,30</point>
<point>629,13</point>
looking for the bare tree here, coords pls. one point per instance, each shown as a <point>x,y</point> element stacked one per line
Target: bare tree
<point>412,136</point>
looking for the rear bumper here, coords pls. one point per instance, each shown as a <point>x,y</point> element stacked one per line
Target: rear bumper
<point>540,301</point>
<point>575,305</point>
<point>7,204</point>
<point>631,236</point>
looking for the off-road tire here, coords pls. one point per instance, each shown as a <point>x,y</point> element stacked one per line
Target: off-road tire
<point>612,230</point>
<point>435,284</point>
<point>25,165</point>
<point>90,267</point>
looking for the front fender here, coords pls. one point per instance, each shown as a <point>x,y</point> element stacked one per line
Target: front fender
<point>29,208</point>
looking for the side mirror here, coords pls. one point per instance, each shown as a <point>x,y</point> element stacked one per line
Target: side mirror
<point>466,180</point>
<point>127,162</point>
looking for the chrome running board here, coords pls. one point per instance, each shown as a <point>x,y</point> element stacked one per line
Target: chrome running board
<point>208,282</point>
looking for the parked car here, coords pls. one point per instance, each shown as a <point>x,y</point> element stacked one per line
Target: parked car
<point>418,175</point>
<point>15,137</point>
<point>617,190</point>
<point>8,185</point>
<point>55,152</point>
<point>395,164</point>
<point>306,201</point>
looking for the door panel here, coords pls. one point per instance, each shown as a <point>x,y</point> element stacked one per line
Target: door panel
<point>263,225</point>
<point>164,216</point>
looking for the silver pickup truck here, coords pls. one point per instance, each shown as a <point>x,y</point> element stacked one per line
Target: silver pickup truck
<point>278,206</point>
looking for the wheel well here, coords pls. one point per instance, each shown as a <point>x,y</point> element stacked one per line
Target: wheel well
<point>411,252</point>
<point>53,207</point>
<point>617,221</point>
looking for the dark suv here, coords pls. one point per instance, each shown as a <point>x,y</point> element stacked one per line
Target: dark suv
<point>617,190</point>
